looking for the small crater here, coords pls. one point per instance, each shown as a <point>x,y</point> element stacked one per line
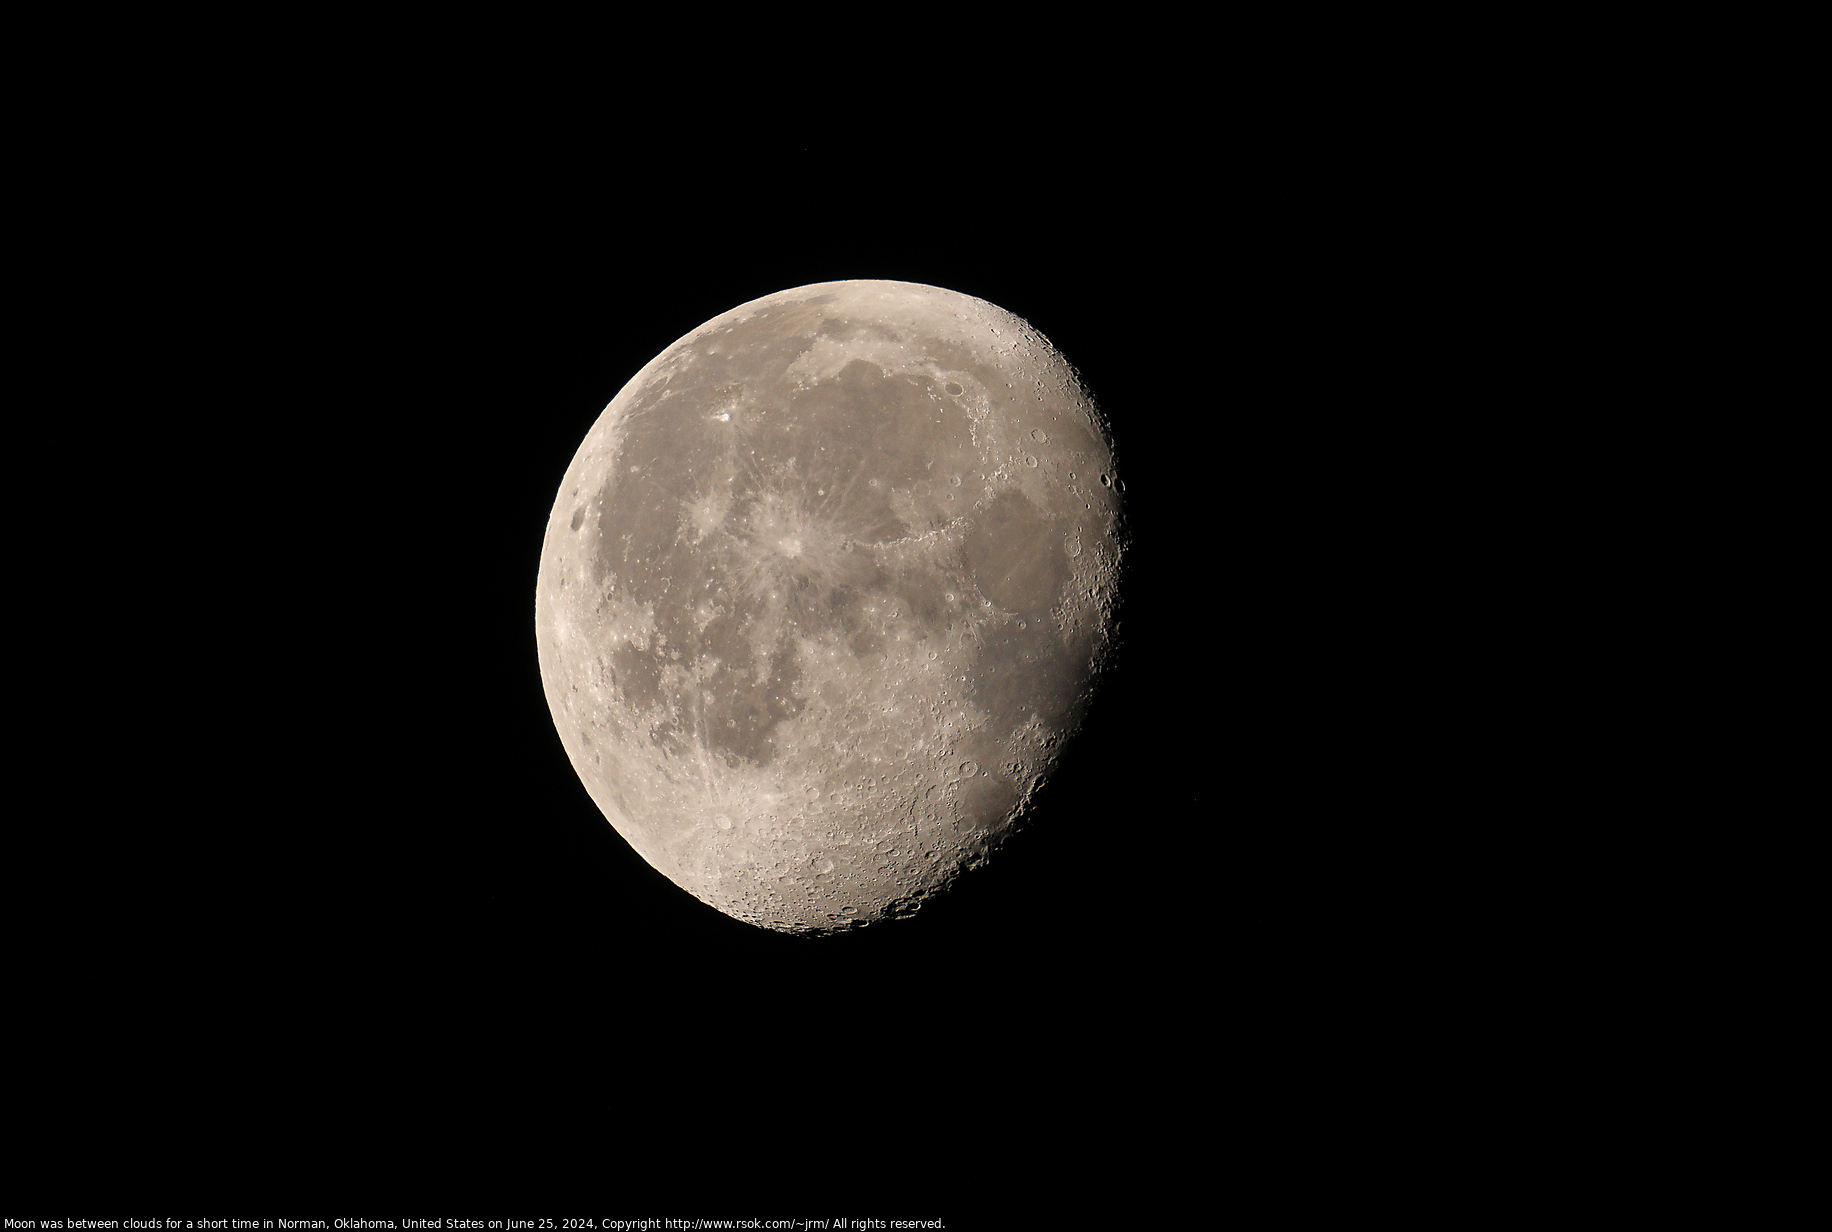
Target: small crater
<point>578,518</point>
<point>953,389</point>
<point>1029,461</point>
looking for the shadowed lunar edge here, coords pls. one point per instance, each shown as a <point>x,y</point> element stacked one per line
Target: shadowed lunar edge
<point>823,592</point>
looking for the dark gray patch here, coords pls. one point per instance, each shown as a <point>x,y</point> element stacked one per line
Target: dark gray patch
<point>984,801</point>
<point>862,425</point>
<point>638,675</point>
<point>615,792</point>
<point>921,593</point>
<point>1021,672</point>
<point>1076,436</point>
<point>578,517</point>
<point>741,718</point>
<point>1016,555</point>
<point>784,683</point>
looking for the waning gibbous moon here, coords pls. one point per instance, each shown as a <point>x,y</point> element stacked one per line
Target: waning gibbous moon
<point>825,590</point>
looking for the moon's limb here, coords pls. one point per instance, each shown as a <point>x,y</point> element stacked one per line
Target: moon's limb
<point>823,591</point>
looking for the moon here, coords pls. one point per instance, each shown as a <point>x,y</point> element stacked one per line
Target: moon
<point>825,592</point>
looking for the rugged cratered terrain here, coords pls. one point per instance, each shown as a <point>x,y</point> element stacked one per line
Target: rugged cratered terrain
<point>823,592</point>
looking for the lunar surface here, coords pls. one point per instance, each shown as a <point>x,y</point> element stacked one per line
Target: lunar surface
<point>824,592</point>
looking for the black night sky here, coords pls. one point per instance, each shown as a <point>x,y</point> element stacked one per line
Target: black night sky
<point>353,866</point>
